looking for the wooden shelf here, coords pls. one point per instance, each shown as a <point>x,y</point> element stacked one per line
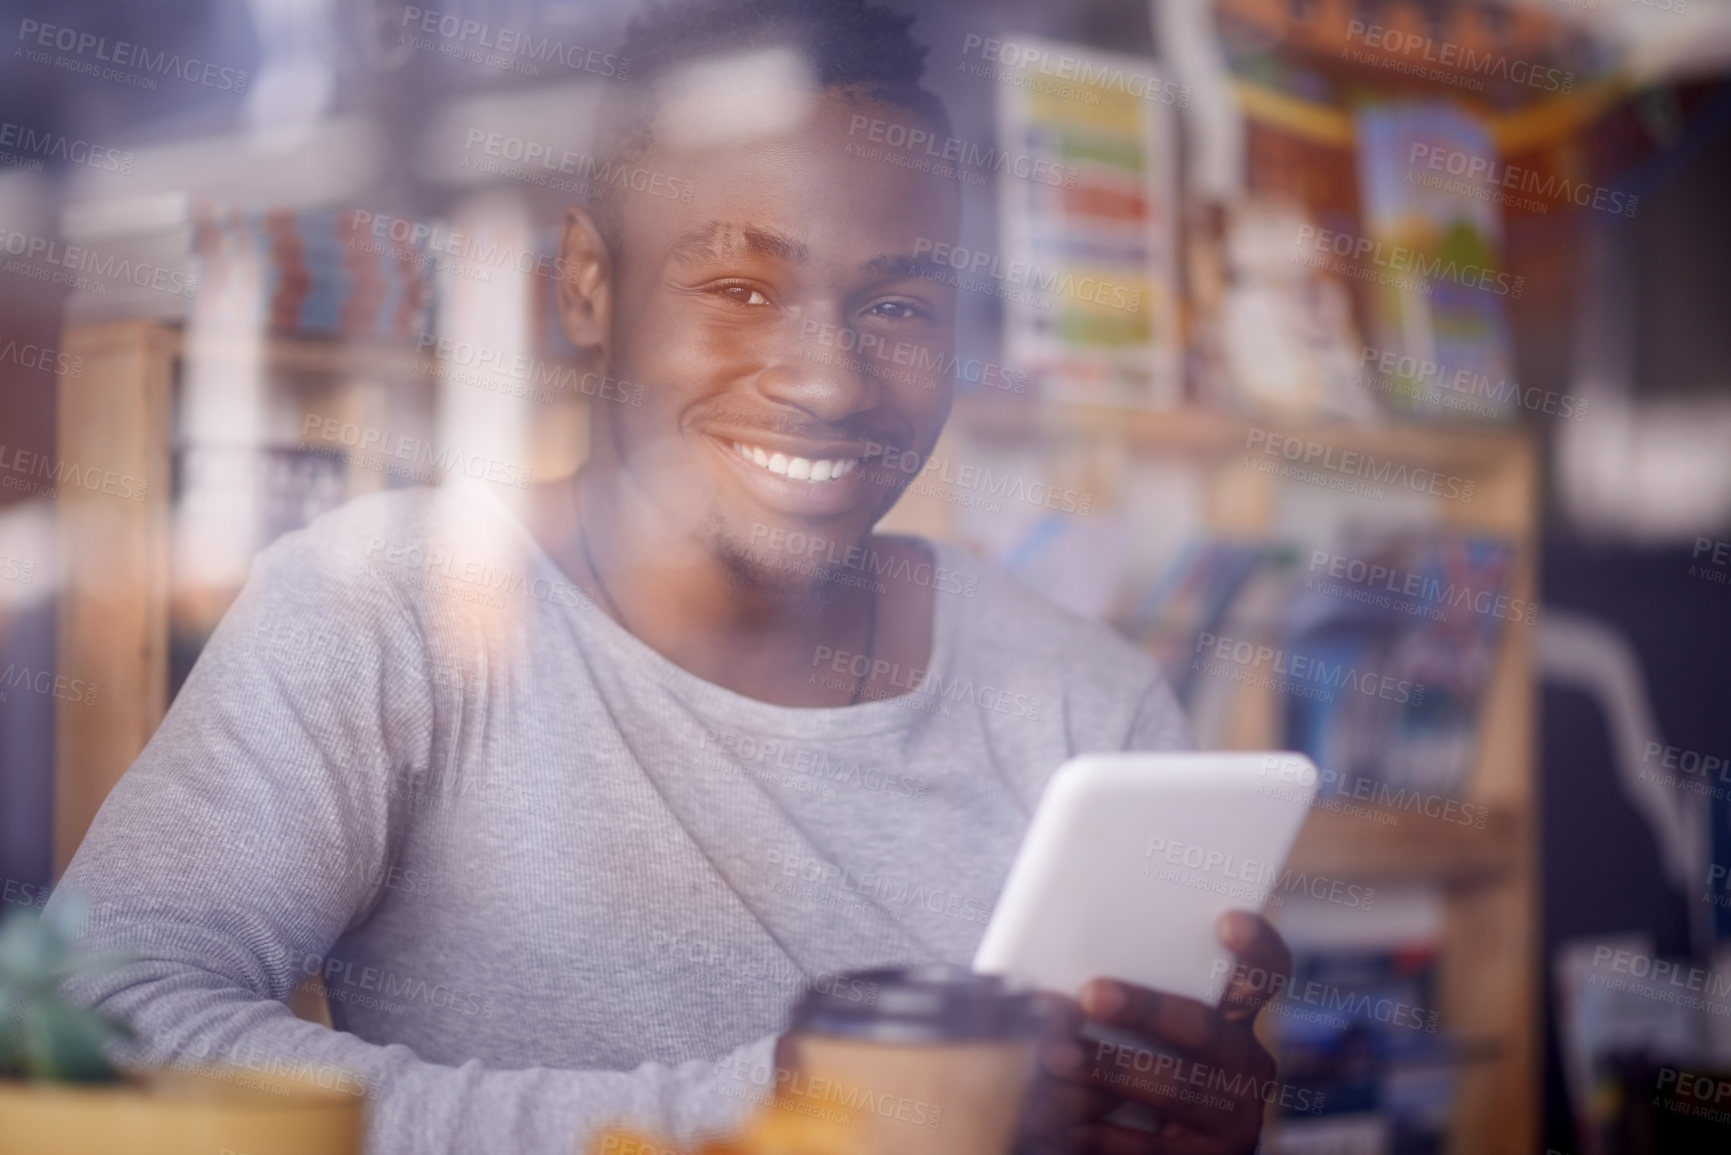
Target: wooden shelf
<point>1192,430</point>
<point>1376,844</point>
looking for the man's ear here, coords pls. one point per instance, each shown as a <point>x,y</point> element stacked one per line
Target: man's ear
<point>585,283</point>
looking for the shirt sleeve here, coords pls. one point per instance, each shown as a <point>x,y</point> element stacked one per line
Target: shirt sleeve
<point>242,841</point>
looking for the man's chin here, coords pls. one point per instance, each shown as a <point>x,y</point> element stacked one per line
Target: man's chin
<point>794,564</point>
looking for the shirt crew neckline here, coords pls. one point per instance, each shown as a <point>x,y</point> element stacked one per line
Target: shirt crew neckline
<point>865,718</point>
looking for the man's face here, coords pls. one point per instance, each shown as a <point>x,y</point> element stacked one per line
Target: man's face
<point>795,367</point>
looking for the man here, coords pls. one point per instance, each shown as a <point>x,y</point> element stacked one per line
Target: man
<point>562,810</point>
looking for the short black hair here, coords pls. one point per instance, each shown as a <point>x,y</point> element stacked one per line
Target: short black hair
<point>854,45</point>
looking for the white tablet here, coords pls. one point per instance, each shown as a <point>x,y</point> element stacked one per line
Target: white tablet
<point>1131,860</point>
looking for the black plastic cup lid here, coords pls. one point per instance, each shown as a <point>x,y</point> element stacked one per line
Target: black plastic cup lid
<point>919,1004</point>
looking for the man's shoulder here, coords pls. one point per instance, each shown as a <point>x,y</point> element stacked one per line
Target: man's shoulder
<point>406,538</point>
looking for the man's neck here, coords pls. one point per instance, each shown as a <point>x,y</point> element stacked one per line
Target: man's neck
<point>760,631</point>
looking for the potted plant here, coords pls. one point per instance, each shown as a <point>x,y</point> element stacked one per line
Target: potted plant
<point>61,1093</point>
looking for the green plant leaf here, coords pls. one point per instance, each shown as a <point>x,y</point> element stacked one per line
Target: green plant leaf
<point>43,1033</point>
<point>29,950</point>
<point>67,1044</point>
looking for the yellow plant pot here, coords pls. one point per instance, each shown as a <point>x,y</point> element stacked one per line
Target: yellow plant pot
<point>216,1111</point>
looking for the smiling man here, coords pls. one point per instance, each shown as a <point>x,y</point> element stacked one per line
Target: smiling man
<point>560,808</point>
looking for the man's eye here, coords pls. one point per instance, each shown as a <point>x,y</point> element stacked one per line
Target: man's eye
<point>895,310</point>
<point>741,294</point>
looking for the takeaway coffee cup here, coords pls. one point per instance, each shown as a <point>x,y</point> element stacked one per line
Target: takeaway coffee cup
<point>912,1060</point>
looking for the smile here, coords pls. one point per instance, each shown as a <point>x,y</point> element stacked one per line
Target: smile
<point>797,468</point>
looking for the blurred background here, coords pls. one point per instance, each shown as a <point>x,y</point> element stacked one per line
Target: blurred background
<point>1369,361</point>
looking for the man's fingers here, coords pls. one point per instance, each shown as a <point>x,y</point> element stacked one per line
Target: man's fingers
<point>1180,1091</point>
<point>1053,1108</point>
<point>1106,1139</point>
<point>1181,1023</point>
<point>1060,1017</point>
<point>1264,964</point>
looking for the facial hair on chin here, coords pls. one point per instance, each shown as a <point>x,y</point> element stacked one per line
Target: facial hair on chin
<point>805,585</point>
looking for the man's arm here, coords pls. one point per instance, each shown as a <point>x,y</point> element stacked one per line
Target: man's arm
<point>245,840</point>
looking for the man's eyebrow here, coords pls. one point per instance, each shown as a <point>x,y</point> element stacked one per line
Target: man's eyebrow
<point>895,265</point>
<point>718,240</point>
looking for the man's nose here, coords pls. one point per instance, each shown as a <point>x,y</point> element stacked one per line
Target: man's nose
<point>824,368</point>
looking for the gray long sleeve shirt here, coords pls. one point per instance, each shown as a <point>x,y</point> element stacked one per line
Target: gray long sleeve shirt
<point>547,879</point>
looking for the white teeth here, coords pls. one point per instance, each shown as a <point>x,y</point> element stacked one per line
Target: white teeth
<point>797,468</point>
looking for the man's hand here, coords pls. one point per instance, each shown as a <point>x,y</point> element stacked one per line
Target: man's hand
<point>1191,1071</point>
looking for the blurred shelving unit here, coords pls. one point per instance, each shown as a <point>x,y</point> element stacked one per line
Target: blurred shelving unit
<point>116,613</point>
<point>1488,967</point>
